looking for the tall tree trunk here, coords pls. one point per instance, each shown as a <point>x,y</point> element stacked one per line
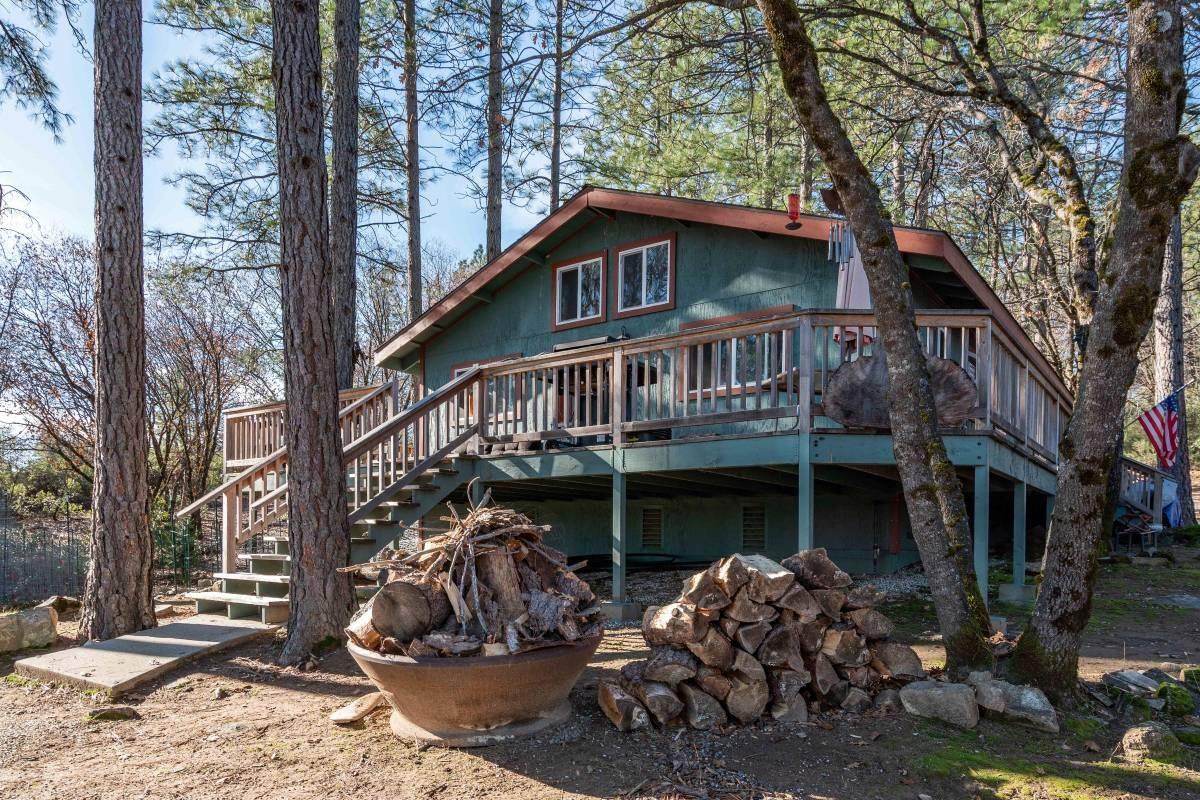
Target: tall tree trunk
<point>318,527</point>
<point>412,157</point>
<point>495,126</point>
<point>1168,361</point>
<point>1159,168</point>
<point>343,198</point>
<point>118,597</point>
<point>931,487</point>
<point>556,110</point>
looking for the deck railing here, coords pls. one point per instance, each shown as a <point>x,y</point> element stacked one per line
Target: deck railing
<point>748,375</point>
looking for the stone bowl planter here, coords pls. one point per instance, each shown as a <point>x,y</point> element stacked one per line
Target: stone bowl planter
<point>477,701</point>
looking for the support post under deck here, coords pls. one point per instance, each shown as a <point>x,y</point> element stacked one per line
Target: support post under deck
<point>982,509</point>
<point>804,498</point>
<point>620,608</point>
<point>1019,591</point>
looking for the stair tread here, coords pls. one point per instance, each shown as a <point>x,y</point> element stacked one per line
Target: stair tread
<point>257,577</point>
<point>239,599</point>
<point>264,557</point>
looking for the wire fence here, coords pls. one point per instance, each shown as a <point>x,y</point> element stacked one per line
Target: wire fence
<point>44,557</point>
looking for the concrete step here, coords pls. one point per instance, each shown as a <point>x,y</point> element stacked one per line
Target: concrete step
<point>255,577</point>
<point>268,609</point>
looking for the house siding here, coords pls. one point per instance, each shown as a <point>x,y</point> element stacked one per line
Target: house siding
<point>720,271</point>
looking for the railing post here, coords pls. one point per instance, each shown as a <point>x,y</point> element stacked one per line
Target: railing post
<point>230,517</point>
<point>617,408</point>
<point>477,403</point>
<point>983,370</point>
<point>806,360</point>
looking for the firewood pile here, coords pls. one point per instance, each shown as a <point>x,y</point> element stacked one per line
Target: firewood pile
<point>750,636</point>
<point>489,586</point>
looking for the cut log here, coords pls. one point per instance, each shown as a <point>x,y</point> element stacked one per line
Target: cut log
<point>730,574</point>
<point>660,700</point>
<point>845,647</point>
<point>862,678</point>
<point>811,636</point>
<point>498,572</point>
<point>402,609</point>
<point>670,665</point>
<point>871,623</point>
<point>831,602</point>
<point>713,681</point>
<point>787,702</point>
<point>622,708</point>
<point>747,700</point>
<point>746,667</point>
<point>571,585</point>
<point>780,648</point>
<point>744,609</point>
<point>546,611</point>
<point>898,660</point>
<point>800,602</point>
<point>703,711</point>
<point>702,591</point>
<point>824,676</point>
<point>863,596</point>
<point>750,636</point>
<point>768,580</point>
<point>728,625</point>
<point>452,644</point>
<point>814,569</point>
<point>674,623</point>
<point>856,395</point>
<point>357,710</point>
<point>714,649</point>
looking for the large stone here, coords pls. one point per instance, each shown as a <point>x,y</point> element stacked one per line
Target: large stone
<point>1022,704</point>
<point>888,701</point>
<point>1149,740</point>
<point>950,702</point>
<point>33,627</point>
<point>856,701</point>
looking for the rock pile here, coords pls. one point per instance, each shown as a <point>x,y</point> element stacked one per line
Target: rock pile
<point>961,703</point>
<point>490,586</point>
<point>750,636</point>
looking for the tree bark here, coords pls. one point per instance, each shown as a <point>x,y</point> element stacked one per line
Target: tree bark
<point>318,526</point>
<point>495,127</point>
<point>931,488</point>
<point>1168,361</point>
<point>412,157</point>
<point>556,110</point>
<point>117,599</point>
<point>1159,168</point>
<point>343,199</point>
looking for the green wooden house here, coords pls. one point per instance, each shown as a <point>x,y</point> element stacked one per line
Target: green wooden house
<point>645,374</point>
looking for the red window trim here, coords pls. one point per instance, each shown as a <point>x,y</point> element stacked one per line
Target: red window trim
<point>555,325</point>
<point>673,240</point>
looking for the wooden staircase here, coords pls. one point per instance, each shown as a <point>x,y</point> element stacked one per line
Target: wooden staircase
<point>400,466</point>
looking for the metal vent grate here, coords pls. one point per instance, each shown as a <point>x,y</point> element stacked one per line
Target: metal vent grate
<point>652,528</point>
<point>754,528</point>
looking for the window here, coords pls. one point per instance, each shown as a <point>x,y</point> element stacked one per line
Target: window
<point>645,276</point>
<point>652,528</point>
<point>754,528</point>
<point>579,291</point>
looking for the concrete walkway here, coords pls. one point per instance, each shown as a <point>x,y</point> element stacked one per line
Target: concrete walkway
<point>117,665</point>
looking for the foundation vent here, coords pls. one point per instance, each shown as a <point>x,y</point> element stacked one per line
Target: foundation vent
<point>652,528</point>
<point>754,528</point>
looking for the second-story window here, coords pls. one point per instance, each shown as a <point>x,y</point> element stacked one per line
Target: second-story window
<point>645,280</point>
<point>579,291</point>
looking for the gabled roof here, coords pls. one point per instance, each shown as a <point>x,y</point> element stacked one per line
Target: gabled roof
<point>593,202</point>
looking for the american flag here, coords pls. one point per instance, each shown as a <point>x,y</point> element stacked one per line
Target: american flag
<point>1161,424</point>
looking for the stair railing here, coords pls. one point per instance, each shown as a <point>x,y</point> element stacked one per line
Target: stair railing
<point>383,451</point>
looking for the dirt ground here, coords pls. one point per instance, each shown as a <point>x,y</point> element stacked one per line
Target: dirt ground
<point>266,735</point>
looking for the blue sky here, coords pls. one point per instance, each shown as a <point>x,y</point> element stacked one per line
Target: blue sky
<point>57,177</point>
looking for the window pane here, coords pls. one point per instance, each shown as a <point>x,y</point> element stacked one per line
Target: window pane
<point>589,292</point>
<point>568,295</point>
<point>657,274</point>
<point>631,280</point>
